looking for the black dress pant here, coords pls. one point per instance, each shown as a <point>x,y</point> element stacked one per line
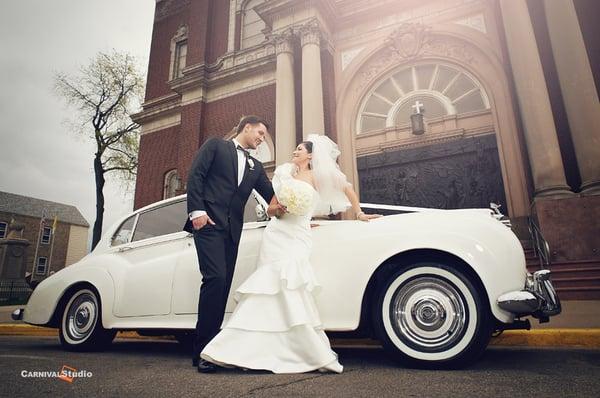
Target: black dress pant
<point>217,253</point>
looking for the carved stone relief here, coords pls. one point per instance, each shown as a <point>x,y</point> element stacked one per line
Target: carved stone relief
<point>463,173</point>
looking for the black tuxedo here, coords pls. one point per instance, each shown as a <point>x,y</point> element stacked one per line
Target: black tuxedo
<point>213,187</point>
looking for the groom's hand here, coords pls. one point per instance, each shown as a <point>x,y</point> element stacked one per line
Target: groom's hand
<point>200,222</point>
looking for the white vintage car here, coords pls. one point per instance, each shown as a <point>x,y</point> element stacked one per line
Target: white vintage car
<point>431,285</point>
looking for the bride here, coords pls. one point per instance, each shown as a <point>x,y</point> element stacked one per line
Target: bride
<point>276,325</point>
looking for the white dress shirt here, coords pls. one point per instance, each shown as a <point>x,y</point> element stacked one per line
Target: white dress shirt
<point>241,169</point>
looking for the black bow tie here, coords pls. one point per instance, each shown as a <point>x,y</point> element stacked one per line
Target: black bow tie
<point>245,151</point>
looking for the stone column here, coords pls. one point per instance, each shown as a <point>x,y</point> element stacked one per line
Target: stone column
<point>534,103</point>
<point>285,108</point>
<point>578,89</point>
<point>313,118</point>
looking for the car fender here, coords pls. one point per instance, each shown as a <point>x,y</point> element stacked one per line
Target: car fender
<point>46,296</point>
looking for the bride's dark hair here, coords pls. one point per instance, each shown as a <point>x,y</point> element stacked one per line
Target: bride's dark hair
<point>308,145</point>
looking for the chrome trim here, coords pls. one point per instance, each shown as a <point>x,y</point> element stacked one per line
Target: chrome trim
<point>538,299</point>
<point>17,315</point>
<point>429,314</point>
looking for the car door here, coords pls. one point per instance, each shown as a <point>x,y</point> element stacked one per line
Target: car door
<point>187,278</point>
<point>143,272</point>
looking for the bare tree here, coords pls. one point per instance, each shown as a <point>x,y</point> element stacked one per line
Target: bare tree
<point>106,92</point>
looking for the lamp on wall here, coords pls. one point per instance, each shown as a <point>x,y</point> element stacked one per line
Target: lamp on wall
<point>417,122</point>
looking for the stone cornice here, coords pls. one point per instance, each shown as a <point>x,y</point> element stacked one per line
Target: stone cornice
<point>272,10</point>
<point>227,69</point>
<point>417,141</point>
<point>158,108</point>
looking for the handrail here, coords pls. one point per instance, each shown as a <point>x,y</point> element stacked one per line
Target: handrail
<point>540,245</point>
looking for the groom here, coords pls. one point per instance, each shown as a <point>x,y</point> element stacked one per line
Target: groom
<point>219,184</point>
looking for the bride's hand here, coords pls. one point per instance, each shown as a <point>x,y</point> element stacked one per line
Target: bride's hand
<point>367,217</point>
<point>276,210</point>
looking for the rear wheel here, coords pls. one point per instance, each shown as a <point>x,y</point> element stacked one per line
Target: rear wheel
<point>81,324</point>
<point>431,315</point>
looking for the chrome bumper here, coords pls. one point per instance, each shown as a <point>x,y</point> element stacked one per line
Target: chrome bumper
<point>538,299</point>
<point>17,314</point>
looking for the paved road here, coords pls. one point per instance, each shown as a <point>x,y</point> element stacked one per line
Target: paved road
<point>161,368</point>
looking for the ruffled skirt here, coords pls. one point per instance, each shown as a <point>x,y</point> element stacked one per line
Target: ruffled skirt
<point>275,325</point>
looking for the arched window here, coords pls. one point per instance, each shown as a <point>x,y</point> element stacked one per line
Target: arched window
<point>252,25</point>
<point>265,151</point>
<point>442,89</point>
<point>172,184</point>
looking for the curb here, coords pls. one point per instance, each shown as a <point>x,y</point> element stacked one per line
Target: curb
<point>586,338</point>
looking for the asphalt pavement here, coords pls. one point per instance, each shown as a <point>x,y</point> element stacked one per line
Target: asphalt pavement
<point>158,368</point>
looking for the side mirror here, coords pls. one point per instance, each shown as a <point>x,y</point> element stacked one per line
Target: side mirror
<point>261,213</point>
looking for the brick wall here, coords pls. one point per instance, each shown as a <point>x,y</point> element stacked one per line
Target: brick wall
<point>176,147</point>
<point>31,233</point>
<point>222,115</point>
<point>219,31</point>
<point>190,137</point>
<point>165,27</point>
<point>157,155</point>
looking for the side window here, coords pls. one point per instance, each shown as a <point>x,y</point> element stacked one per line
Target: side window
<point>161,221</point>
<point>46,235</point>
<point>124,232</point>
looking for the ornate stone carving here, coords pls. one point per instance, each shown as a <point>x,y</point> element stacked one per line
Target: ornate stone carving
<point>408,40</point>
<point>409,43</point>
<point>167,8</point>
<point>15,230</point>
<point>463,173</point>
<point>181,33</point>
<point>282,41</point>
<point>448,49</point>
<point>310,33</point>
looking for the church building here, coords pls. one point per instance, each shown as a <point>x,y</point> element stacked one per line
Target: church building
<point>434,103</point>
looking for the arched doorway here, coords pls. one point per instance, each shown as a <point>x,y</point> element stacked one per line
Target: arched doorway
<point>455,165</point>
<point>471,152</point>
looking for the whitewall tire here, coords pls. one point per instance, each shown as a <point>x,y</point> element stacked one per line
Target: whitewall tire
<point>81,323</point>
<point>431,315</point>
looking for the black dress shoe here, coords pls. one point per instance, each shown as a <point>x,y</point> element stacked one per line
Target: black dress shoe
<point>206,367</point>
<point>195,362</point>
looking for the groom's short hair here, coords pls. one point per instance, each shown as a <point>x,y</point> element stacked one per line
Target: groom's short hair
<point>250,119</point>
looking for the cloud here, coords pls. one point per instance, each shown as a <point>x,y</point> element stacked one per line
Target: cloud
<point>39,154</point>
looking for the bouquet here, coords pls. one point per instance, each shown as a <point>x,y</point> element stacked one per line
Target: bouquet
<point>297,198</point>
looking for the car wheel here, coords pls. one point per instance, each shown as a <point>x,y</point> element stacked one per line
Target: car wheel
<point>432,315</point>
<point>81,325</point>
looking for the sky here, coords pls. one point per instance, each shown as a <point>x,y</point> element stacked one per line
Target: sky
<point>40,155</point>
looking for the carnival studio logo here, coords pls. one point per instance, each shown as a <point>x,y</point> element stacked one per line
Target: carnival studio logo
<point>67,374</point>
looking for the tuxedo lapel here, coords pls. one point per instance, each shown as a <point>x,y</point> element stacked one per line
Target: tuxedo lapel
<point>234,158</point>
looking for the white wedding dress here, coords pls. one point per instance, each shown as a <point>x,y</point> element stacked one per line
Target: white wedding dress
<point>275,325</point>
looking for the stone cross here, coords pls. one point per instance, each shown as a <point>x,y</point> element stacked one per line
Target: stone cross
<point>418,107</point>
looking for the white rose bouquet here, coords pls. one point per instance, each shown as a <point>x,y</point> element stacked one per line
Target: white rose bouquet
<point>297,198</point>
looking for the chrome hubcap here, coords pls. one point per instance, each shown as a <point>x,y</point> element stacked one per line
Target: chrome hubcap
<point>82,316</point>
<point>428,314</point>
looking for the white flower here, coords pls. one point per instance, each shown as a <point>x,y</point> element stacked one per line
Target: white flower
<point>297,198</point>
<point>251,163</point>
